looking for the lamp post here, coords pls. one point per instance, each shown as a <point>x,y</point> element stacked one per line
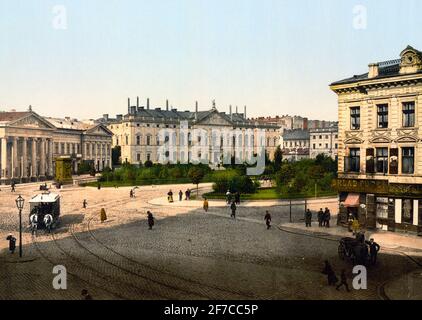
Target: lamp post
<point>19,204</point>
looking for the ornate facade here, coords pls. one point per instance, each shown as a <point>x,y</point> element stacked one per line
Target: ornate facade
<point>31,143</point>
<point>138,133</point>
<point>380,144</point>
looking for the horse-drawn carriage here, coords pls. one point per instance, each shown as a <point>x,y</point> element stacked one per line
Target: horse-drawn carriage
<point>354,249</point>
<point>44,211</point>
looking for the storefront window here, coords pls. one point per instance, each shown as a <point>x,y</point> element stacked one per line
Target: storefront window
<point>408,160</point>
<point>407,211</point>
<point>382,160</point>
<point>382,208</point>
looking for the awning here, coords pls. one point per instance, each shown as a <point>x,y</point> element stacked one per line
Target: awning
<point>352,200</point>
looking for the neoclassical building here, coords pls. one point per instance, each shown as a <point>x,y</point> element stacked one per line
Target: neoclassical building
<point>324,141</point>
<point>380,144</point>
<point>30,144</point>
<point>139,134</point>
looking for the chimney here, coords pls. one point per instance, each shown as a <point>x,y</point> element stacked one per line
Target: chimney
<point>105,117</point>
<point>148,103</point>
<point>137,102</point>
<point>196,110</point>
<point>244,113</point>
<point>373,70</point>
<point>231,115</point>
<point>128,105</point>
<point>237,110</point>
<point>167,105</point>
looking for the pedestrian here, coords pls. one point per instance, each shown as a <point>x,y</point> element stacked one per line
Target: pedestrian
<point>103,215</point>
<point>86,295</point>
<point>99,186</point>
<point>84,204</point>
<point>331,276</point>
<point>170,196</point>
<point>150,220</point>
<point>12,243</point>
<point>131,193</point>
<point>180,195</point>
<point>327,217</point>
<point>233,208</point>
<point>228,197</point>
<point>267,219</point>
<point>237,197</point>
<point>343,281</point>
<point>355,226</point>
<point>320,217</point>
<point>373,250</point>
<point>12,186</point>
<point>308,218</point>
<point>206,205</point>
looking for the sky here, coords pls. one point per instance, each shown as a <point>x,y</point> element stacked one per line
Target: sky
<point>84,58</point>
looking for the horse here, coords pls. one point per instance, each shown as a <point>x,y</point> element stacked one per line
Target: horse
<point>34,223</point>
<point>48,222</point>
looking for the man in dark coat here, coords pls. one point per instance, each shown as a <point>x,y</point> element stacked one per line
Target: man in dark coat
<point>308,218</point>
<point>320,217</point>
<point>373,250</point>
<point>327,217</point>
<point>343,281</point>
<point>237,197</point>
<point>150,220</point>
<point>84,204</point>
<point>331,276</point>
<point>233,208</point>
<point>12,243</point>
<point>267,219</point>
<point>12,186</point>
<point>180,195</point>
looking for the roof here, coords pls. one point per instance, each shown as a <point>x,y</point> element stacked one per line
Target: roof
<point>296,134</point>
<point>386,69</point>
<point>68,123</point>
<point>13,116</point>
<point>45,198</point>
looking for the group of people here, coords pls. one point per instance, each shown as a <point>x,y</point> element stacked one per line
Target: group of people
<point>232,197</point>
<point>324,218</point>
<point>332,278</point>
<point>187,194</point>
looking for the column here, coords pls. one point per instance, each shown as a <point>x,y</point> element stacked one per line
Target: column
<point>43,156</point>
<point>24,173</point>
<point>60,148</point>
<point>4,171</point>
<point>34,170</point>
<point>50,157</point>
<point>96,160</point>
<point>101,156</point>
<point>15,161</point>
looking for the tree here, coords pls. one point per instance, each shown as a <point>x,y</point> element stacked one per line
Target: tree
<point>116,154</point>
<point>278,158</point>
<point>196,174</point>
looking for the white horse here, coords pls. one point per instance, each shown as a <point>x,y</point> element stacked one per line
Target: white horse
<point>48,222</point>
<point>33,219</point>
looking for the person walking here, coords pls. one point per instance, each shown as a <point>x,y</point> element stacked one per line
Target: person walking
<point>170,196</point>
<point>12,243</point>
<point>206,204</point>
<point>131,193</point>
<point>150,220</point>
<point>327,217</point>
<point>233,209</point>
<point>373,250</point>
<point>12,187</point>
<point>180,195</point>
<point>84,204</point>
<point>228,197</point>
<point>320,217</point>
<point>267,219</point>
<point>308,218</point>
<point>343,281</point>
<point>237,197</point>
<point>331,276</point>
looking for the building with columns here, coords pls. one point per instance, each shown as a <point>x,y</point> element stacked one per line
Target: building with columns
<point>30,143</point>
<point>380,144</point>
<point>138,133</point>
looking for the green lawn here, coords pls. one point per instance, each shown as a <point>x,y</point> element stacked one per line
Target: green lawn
<point>112,184</point>
<point>270,194</point>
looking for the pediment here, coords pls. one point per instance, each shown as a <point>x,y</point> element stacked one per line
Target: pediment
<point>32,121</point>
<point>407,139</point>
<point>99,130</point>
<point>353,141</point>
<point>215,118</point>
<point>380,140</point>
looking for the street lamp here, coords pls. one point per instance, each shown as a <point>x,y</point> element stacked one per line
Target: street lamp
<point>19,204</point>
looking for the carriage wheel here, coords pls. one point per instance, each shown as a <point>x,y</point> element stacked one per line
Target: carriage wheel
<point>341,252</point>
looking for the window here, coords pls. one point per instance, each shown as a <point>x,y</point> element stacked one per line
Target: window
<point>382,111</point>
<point>148,140</point>
<point>326,146</point>
<point>355,118</point>
<point>148,157</point>
<point>408,160</point>
<point>382,208</point>
<point>408,114</point>
<point>314,146</point>
<point>138,140</point>
<point>138,157</point>
<point>336,146</point>
<point>353,162</point>
<point>158,140</point>
<point>407,211</point>
<point>127,140</point>
<point>382,160</point>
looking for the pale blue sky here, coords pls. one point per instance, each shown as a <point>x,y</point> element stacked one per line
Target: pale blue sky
<point>275,56</point>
